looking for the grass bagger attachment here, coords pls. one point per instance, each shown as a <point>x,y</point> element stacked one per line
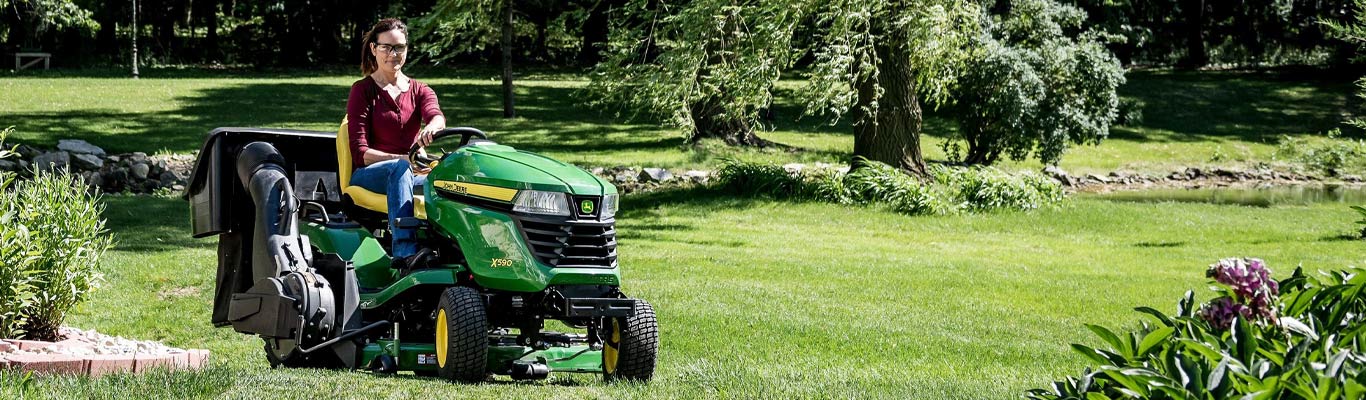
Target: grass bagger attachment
<point>508,240</point>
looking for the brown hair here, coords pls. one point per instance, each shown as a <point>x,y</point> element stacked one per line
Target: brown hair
<point>368,64</point>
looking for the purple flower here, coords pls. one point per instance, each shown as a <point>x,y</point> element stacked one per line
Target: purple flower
<point>1220,312</point>
<point>1254,293</point>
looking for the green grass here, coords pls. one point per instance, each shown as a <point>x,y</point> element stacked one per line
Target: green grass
<point>759,298</point>
<point>1232,118</point>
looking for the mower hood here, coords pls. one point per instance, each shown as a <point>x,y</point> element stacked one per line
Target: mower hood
<point>503,166</point>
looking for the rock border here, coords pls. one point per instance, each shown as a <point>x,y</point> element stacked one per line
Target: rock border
<point>89,353</point>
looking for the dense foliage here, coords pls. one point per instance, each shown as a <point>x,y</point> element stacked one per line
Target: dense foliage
<point>54,239</point>
<point>307,32</point>
<point>1034,86</point>
<point>949,190</point>
<point>1299,338</point>
<point>1354,33</point>
<point>1332,155</point>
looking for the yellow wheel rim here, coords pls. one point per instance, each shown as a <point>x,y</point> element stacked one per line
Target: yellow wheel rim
<point>441,338</point>
<point>610,352</point>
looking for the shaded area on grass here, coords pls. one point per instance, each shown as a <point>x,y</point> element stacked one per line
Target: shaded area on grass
<point>150,224</point>
<point>1230,105</point>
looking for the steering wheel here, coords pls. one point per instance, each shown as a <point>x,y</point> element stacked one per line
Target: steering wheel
<point>465,134</point>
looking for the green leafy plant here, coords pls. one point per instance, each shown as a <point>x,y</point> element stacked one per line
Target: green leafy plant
<point>56,215</point>
<point>1299,338</point>
<point>951,189</point>
<point>16,257</point>
<point>1332,155</point>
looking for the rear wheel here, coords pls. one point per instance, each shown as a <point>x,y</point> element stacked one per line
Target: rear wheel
<point>632,344</point>
<point>462,331</point>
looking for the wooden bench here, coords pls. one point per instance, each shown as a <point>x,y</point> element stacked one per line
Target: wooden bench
<point>44,57</point>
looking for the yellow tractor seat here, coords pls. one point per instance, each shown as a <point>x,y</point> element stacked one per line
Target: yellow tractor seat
<point>365,198</point>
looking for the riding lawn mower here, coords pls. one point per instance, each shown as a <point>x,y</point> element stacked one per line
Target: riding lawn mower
<point>508,240</point>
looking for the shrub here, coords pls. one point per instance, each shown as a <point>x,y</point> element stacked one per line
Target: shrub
<point>759,179</point>
<point>951,190</point>
<point>1362,211</point>
<point>1332,155</point>
<point>16,257</point>
<point>58,240</point>
<point>979,188</point>
<point>880,183</point>
<point>1037,83</point>
<point>1300,338</point>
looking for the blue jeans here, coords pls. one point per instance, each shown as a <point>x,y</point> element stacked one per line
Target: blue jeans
<point>395,180</point>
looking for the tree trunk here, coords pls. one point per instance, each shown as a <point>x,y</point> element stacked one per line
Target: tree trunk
<point>508,111</point>
<point>709,122</point>
<point>595,31</point>
<point>892,136</point>
<point>1196,56</point>
<point>211,39</point>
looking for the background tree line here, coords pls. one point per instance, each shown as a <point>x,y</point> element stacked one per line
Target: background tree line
<point>1022,78</point>
<point>299,33</point>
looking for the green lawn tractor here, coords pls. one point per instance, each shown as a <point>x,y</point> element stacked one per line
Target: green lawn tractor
<point>508,240</point>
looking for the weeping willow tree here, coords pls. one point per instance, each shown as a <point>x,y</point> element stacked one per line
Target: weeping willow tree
<point>709,66</point>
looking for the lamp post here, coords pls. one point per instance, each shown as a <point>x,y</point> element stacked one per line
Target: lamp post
<point>135,39</point>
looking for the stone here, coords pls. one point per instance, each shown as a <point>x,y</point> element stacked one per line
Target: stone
<point>79,147</point>
<point>1052,171</point>
<point>86,162</point>
<point>597,171</point>
<point>95,180</point>
<point>137,157</point>
<point>6,347</point>
<point>697,176</point>
<point>48,364</point>
<point>7,165</point>
<point>170,178</point>
<point>1097,178</point>
<point>1194,173</point>
<point>147,362</point>
<point>113,159</point>
<point>794,168</point>
<point>102,364</point>
<point>27,152</point>
<point>140,170</point>
<point>655,175</point>
<point>1177,176</point>
<point>624,177</point>
<point>52,161</point>
<point>1351,178</point>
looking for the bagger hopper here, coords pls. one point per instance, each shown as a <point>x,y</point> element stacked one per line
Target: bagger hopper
<point>510,239</point>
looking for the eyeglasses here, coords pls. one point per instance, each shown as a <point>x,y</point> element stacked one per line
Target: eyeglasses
<point>392,49</point>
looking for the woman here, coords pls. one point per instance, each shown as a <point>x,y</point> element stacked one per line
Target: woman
<point>385,114</point>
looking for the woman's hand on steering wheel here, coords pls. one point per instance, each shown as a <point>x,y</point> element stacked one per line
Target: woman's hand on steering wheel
<point>419,160</point>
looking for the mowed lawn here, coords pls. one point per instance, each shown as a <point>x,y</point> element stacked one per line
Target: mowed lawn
<point>768,299</point>
<point>1190,119</point>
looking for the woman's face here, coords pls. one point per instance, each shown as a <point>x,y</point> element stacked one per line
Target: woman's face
<point>390,50</point>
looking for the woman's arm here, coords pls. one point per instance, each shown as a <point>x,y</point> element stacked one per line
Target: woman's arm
<point>431,112</point>
<point>358,125</point>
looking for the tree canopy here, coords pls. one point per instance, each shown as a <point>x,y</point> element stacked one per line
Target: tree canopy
<point>1033,87</point>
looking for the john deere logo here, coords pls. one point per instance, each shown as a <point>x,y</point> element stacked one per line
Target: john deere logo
<point>586,207</point>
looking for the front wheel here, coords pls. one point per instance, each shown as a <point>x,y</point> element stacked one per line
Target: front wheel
<point>462,335</point>
<point>632,344</point>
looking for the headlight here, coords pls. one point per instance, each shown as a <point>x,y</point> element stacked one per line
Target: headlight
<point>609,205</point>
<point>538,202</point>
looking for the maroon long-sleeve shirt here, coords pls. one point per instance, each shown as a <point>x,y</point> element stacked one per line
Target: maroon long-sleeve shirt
<point>377,121</point>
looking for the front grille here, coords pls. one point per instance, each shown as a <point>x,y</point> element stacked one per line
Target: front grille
<point>576,244</point>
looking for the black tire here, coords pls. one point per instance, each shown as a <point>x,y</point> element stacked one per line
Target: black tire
<point>465,335</point>
<point>634,343</point>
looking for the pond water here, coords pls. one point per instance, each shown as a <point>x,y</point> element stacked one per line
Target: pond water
<point>1267,197</point>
